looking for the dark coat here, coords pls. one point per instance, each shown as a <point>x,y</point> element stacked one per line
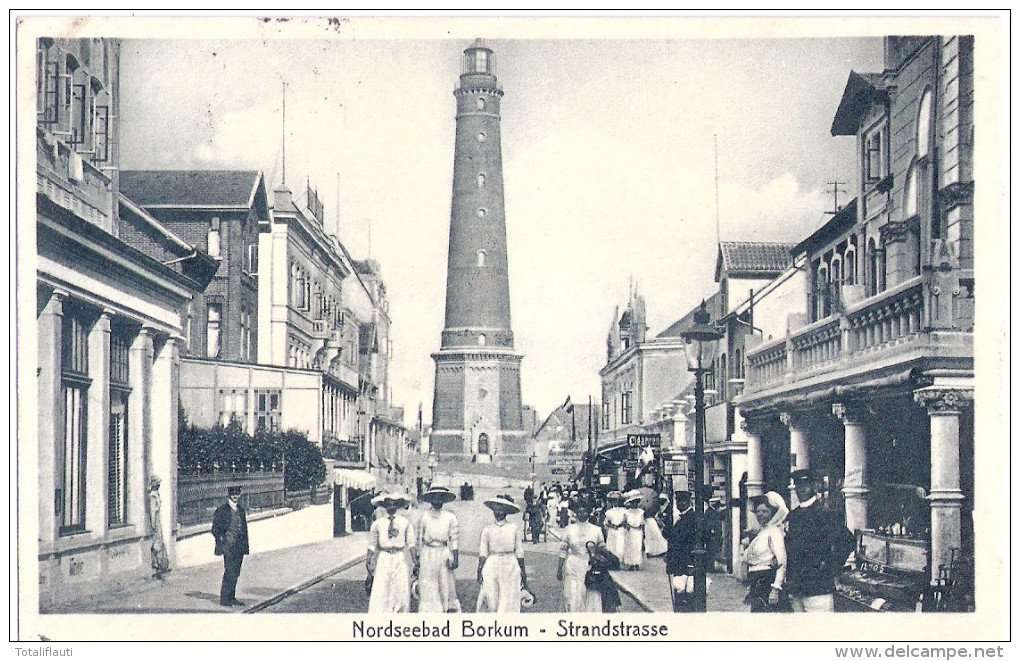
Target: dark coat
<point>221,522</point>
<point>681,538</point>
<point>817,546</point>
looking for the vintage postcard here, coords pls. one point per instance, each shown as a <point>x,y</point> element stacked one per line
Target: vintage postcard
<point>511,328</point>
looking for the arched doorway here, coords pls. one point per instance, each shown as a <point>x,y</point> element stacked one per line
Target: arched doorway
<point>483,443</point>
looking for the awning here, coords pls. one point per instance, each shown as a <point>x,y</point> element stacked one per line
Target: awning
<point>354,479</point>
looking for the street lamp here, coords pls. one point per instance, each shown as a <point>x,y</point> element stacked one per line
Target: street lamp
<point>701,344</point>
<point>433,462</point>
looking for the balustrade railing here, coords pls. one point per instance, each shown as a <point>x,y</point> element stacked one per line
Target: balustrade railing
<point>888,319</point>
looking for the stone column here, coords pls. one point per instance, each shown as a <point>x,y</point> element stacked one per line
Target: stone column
<point>98,425</point>
<point>139,429</point>
<point>163,397</point>
<point>944,407</point>
<point>855,472</point>
<point>49,328</point>
<point>800,458</point>
<point>794,421</point>
<point>755,472</point>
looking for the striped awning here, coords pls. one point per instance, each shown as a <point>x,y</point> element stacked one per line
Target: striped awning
<point>354,479</point>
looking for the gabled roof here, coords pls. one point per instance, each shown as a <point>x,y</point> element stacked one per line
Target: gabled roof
<point>211,189</point>
<point>751,259</point>
<point>861,91</point>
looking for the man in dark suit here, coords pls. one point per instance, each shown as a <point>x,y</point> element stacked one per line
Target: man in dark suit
<point>817,546</point>
<point>681,539</point>
<point>230,530</point>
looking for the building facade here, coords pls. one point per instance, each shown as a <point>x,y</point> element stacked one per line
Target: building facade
<point>222,212</point>
<point>875,392</point>
<point>304,322</point>
<point>113,287</point>
<point>476,412</point>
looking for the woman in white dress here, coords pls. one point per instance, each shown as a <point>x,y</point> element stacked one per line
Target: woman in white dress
<point>655,542</point>
<point>390,540</point>
<point>634,536</point>
<point>574,562</point>
<point>501,570</point>
<point>439,539</point>
<point>614,524</point>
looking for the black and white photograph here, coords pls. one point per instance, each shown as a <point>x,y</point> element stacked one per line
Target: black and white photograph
<point>510,328</point>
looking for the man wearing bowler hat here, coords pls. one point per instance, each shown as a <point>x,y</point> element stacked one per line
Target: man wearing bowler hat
<point>230,530</point>
<point>817,546</point>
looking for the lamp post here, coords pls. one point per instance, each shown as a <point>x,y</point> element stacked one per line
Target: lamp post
<point>433,462</point>
<point>701,343</point>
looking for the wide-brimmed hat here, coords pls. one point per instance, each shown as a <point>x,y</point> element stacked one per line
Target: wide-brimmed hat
<point>391,499</point>
<point>614,495</point>
<point>632,497</point>
<point>503,503</point>
<point>439,494</point>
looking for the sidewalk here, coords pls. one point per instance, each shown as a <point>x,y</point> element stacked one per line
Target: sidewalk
<point>649,587</point>
<point>271,572</point>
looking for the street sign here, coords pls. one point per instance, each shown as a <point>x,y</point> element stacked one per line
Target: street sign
<point>644,440</point>
<point>674,467</point>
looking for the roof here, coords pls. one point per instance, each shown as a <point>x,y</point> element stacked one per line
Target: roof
<point>219,189</point>
<point>861,91</point>
<point>714,306</point>
<point>834,227</point>
<point>751,259</point>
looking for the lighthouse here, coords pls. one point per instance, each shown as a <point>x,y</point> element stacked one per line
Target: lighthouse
<point>476,411</point>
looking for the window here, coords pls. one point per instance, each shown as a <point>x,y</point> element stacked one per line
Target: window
<point>213,240</point>
<point>212,330</point>
<point>72,462</point>
<point>605,415</point>
<point>482,61</point>
<point>910,192</point>
<point>625,407</point>
<point>253,259</point>
<point>117,485</point>
<point>233,406</point>
<point>873,156</point>
<point>47,82</point>
<point>101,119</point>
<point>480,103</point>
<point>850,262</point>
<point>481,180</point>
<point>245,334</point>
<point>481,258</point>
<point>267,410</point>
<point>924,125</point>
<point>483,443</point>
<point>480,137</point>
<point>481,339</point>
<point>481,212</point>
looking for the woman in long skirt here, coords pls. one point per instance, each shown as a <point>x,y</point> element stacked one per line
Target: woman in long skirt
<point>439,539</point>
<point>501,570</point>
<point>655,542</point>
<point>765,556</point>
<point>574,562</point>
<point>159,557</point>
<point>614,524</point>
<point>390,540</point>
<point>634,537</point>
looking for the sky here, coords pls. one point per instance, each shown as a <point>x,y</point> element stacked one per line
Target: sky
<point>609,156</point>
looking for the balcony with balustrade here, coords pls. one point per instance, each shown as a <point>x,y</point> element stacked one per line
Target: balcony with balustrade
<point>877,337</point>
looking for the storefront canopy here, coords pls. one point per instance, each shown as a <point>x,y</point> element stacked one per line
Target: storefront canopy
<point>353,479</point>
